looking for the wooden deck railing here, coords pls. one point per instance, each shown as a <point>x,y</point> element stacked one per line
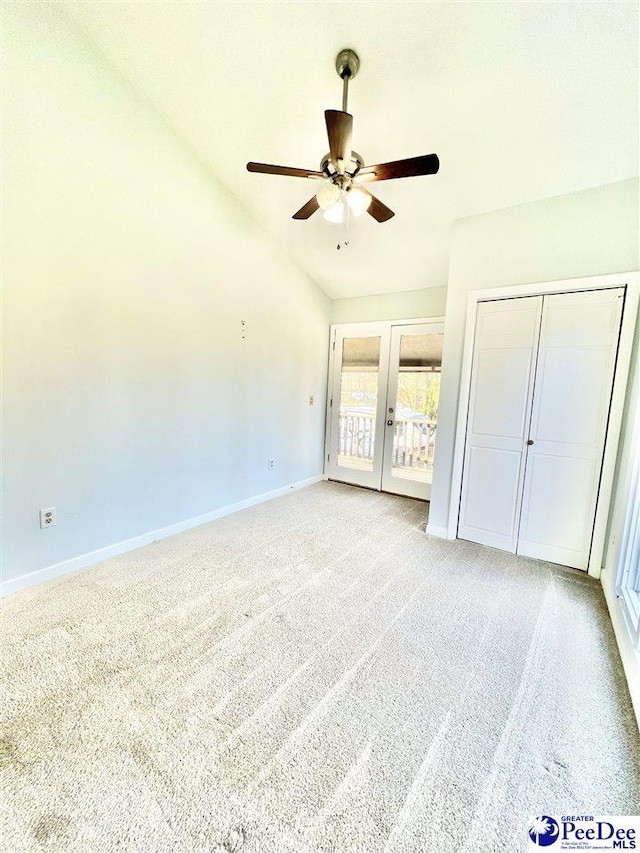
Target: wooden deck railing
<point>413,445</point>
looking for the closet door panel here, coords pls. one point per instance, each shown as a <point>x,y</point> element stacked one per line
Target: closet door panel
<point>574,378</point>
<point>577,382</point>
<point>501,406</point>
<point>499,411</point>
<point>500,468</point>
<point>559,495</point>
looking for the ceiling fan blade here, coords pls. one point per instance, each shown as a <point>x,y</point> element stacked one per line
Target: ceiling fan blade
<point>427,164</point>
<point>377,209</point>
<point>307,209</point>
<point>267,169</point>
<point>339,131</point>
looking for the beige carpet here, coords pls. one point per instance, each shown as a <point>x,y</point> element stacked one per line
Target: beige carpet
<point>313,674</point>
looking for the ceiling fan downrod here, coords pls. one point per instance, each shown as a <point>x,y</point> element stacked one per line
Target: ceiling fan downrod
<point>347,66</point>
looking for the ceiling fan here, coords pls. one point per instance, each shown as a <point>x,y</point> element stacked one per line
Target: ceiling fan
<point>342,171</point>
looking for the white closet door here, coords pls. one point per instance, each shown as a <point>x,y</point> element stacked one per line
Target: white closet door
<point>574,378</point>
<point>502,376</point>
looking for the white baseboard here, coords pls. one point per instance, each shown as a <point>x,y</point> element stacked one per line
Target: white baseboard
<point>440,532</point>
<point>630,657</point>
<point>84,560</point>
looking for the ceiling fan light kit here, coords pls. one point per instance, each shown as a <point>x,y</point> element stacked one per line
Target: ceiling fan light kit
<point>342,171</point>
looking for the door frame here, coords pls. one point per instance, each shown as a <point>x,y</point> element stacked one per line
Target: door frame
<point>356,328</point>
<point>631,282</point>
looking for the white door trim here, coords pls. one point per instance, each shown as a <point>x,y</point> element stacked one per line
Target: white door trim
<point>629,280</point>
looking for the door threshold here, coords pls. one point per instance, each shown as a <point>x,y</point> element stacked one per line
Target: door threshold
<point>382,491</point>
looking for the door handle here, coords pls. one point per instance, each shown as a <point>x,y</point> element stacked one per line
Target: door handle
<point>529,441</point>
<point>389,423</point>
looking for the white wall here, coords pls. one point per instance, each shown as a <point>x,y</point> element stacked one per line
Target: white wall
<point>406,305</point>
<point>592,232</point>
<point>131,401</point>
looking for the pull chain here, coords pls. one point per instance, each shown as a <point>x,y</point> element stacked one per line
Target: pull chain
<point>347,219</point>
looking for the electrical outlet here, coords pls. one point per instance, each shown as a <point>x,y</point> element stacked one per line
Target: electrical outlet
<point>272,463</point>
<point>48,517</point>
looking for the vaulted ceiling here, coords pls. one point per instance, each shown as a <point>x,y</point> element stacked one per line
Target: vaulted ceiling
<point>520,100</point>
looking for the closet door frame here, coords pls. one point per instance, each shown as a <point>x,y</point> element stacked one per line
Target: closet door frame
<point>631,283</point>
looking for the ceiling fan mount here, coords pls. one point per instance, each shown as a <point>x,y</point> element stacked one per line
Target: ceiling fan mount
<point>347,63</point>
<point>342,171</point>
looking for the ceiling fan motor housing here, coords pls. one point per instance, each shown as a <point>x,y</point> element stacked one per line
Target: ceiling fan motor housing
<point>357,162</point>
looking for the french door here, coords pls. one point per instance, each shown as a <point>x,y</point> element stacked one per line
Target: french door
<point>383,400</point>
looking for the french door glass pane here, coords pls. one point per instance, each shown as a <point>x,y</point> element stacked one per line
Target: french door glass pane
<point>416,415</point>
<point>359,381</point>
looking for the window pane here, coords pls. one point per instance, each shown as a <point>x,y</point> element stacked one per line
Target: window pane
<point>416,415</point>
<point>358,401</point>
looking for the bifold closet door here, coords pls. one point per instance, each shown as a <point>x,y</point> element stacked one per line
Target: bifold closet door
<point>502,376</point>
<point>574,379</point>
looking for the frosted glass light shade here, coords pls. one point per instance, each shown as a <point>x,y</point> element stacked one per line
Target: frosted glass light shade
<point>335,213</point>
<point>358,201</point>
<point>328,195</point>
